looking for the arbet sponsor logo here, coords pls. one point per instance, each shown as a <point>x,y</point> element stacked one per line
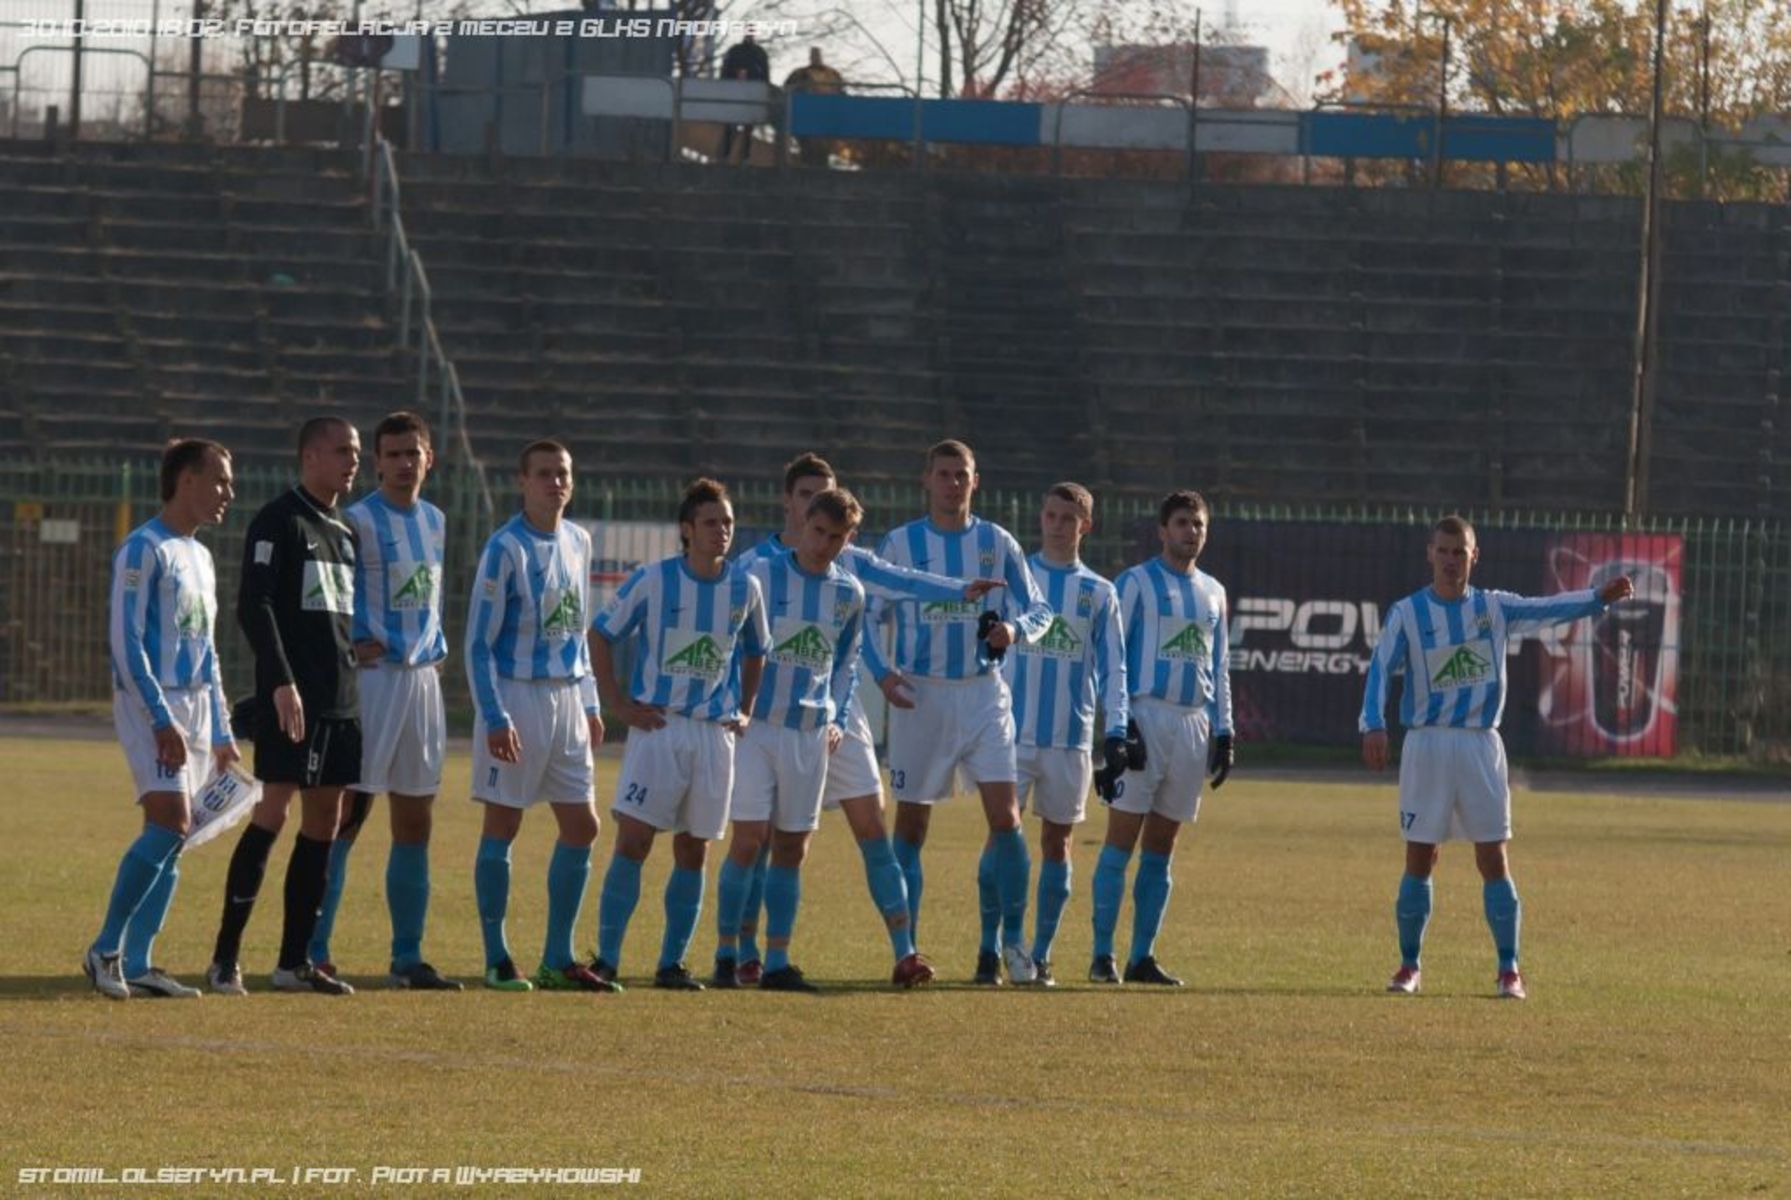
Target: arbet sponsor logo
<point>808,647</point>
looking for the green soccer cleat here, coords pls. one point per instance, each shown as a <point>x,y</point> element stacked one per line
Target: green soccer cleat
<point>506,978</point>
<point>575,977</point>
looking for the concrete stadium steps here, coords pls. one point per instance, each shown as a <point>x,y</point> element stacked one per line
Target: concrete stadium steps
<point>148,290</point>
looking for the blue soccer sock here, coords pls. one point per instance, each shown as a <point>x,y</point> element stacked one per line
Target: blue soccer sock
<point>568,871</point>
<point>683,904</point>
<point>754,900</point>
<point>141,930</point>
<point>1504,914</point>
<point>889,892</point>
<point>1150,896</point>
<point>1054,893</point>
<point>733,885</point>
<point>333,883</point>
<point>783,894</point>
<point>407,900</point>
<point>615,907</point>
<point>1109,893</point>
<point>988,895</point>
<point>1013,870</point>
<point>907,856</point>
<point>138,870</point>
<point>491,887</point>
<point>1411,913</point>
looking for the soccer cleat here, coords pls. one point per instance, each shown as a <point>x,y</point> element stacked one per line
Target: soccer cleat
<point>988,969</point>
<point>605,972</point>
<point>106,973</point>
<point>307,978</point>
<point>576,977</point>
<point>1020,967</point>
<point>726,975</point>
<point>786,979</point>
<point>225,979</point>
<point>1103,970</point>
<point>1042,973</point>
<point>912,972</point>
<point>1511,986</point>
<point>750,972</point>
<point>156,982</point>
<point>1147,970</point>
<point>421,977</point>
<point>506,978</point>
<point>326,966</point>
<point>1406,981</point>
<point>677,978</point>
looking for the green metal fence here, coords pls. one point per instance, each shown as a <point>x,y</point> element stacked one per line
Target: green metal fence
<point>63,519</point>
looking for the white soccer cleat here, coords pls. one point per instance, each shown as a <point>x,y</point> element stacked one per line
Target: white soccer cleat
<point>156,982</point>
<point>1020,968</point>
<point>106,973</point>
<point>307,978</point>
<point>225,979</point>
<point>1406,981</point>
<point>1511,986</point>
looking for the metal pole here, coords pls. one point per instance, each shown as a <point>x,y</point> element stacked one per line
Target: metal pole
<point>1436,150</point>
<point>1194,105</point>
<point>74,88</point>
<point>1641,416</point>
<point>194,65</point>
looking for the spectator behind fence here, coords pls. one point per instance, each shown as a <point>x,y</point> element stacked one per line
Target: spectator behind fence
<point>745,59</point>
<point>821,78</point>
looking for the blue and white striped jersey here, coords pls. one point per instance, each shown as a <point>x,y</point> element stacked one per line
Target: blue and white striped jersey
<point>937,638</point>
<point>1176,638</point>
<point>1057,679</point>
<point>1452,654</point>
<point>811,668</point>
<point>398,579</point>
<point>529,610</point>
<point>879,576</point>
<point>164,610</point>
<point>690,635</point>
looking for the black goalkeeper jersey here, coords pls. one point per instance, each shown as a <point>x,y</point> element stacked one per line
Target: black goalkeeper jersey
<point>296,603</point>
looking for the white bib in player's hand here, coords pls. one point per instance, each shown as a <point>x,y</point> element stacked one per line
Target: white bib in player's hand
<point>222,804</point>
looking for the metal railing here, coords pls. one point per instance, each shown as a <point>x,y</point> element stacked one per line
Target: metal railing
<point>406,275</point>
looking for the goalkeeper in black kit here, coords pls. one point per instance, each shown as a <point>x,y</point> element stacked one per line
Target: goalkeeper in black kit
<point>296,607</point>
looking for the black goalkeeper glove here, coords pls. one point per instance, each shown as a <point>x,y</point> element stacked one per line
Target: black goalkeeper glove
<point>985,625</point>
<point>1113,765</point>
<point>1221,759</point>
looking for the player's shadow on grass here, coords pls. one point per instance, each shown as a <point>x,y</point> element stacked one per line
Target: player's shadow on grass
<point>47,987</point>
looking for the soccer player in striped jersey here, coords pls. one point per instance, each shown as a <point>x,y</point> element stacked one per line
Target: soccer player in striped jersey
<point>399,646</point>
<point>815,612</point>
<point>698,626</point>
<point>1449,641</point>
<point>1055,683</point>
<point>950,705</point>
<point>854,784</point>
<point>1173,617</point>
<point>168,706</point>
<point>536,715</point>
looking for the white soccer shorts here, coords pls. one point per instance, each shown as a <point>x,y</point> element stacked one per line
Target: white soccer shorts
<point>403,730</point>
<point>852,770</point>
<point>678,778</point>
<point>1175,749</point>
<point>1453,785</point>
<point>555,765</point>
<point>1054,780</point>
<point>953,723</point>
<point>191,710</point>
<point>779,776</point>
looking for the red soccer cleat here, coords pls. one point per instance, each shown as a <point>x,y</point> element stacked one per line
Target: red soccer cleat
<point>1406,981</point>
<point>912,972</point>
<point>750,972</point>
<point>1511,986</point>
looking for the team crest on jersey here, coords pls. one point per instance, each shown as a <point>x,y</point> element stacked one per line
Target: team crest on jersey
<point>808,646</point>
<point>327,587</point>
<point>1084,604</point>
<point>1454,667</point>
<point>944,612</point>
<point>736,617</point>
<point>1189,645</point>
<point>415,590</point>
<point>693,656</point>
<point>1060,640</point>
<point>987,561</point>
<point>563,614</point>
<point>844,603</point>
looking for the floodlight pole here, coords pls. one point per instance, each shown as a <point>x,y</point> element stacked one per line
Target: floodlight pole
<point>1647,351</point>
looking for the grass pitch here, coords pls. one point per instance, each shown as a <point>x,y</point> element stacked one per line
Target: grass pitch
<point>1654,1058</point>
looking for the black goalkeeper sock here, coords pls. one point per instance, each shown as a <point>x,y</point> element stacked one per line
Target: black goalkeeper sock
<point>248,864</point>
<point>306,874</point>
